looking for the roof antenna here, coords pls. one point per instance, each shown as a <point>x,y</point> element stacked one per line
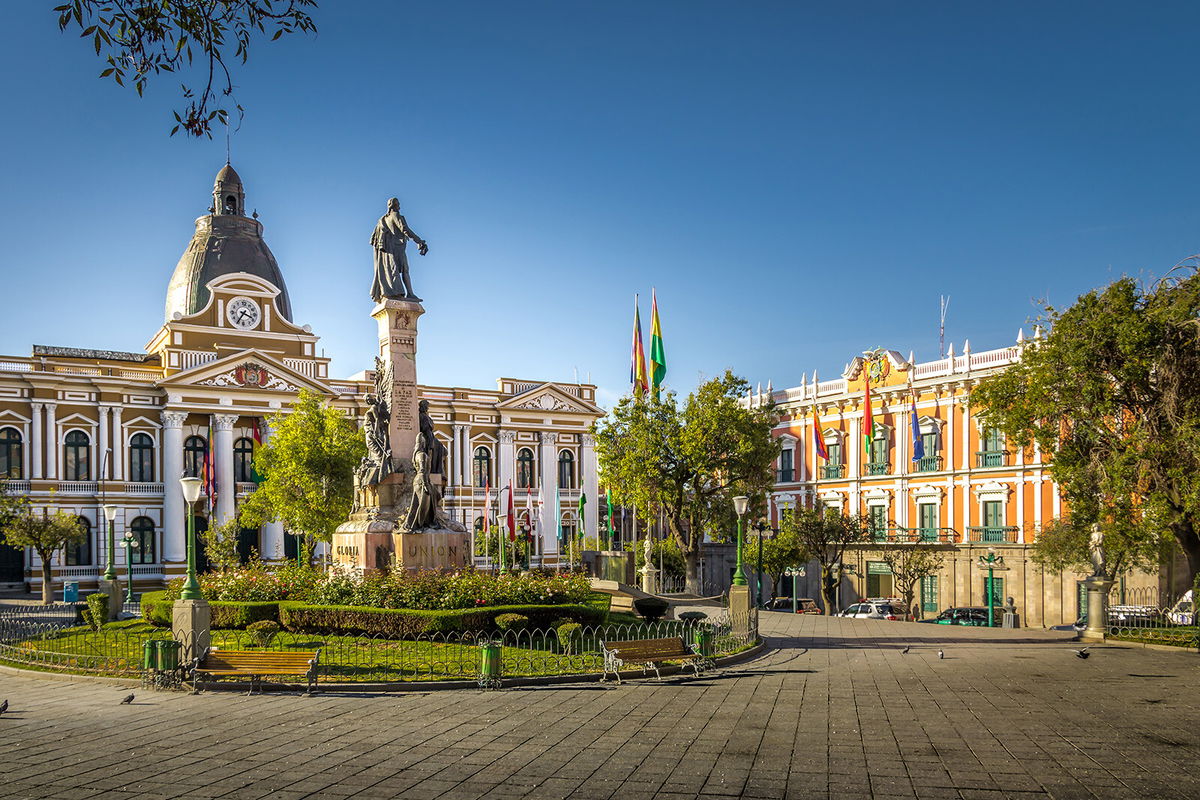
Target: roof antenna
<point>942,326</point>
<point>226,142</point>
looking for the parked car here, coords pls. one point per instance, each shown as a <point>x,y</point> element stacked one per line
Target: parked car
<point>976,616</point>
<point>804,605</point>
<point>1182,612</point>
<point>873,610</point>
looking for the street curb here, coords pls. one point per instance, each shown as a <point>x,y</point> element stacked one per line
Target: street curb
<point>392,686</point>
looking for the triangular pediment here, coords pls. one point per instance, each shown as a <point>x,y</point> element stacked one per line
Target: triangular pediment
<point>246,369</point>
<point>549,397</point>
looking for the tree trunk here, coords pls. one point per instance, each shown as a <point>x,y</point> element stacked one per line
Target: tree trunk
<point>829,590</point>
<point>47,587</point>
<point>1185,534</point>
<point>691,562</point>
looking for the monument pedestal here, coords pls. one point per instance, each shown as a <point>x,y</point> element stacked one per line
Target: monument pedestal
<point>191,626</point>
<point>442,550</point>
<point>115,599</point>
<point>1097,606</point>
<point>739,609</point>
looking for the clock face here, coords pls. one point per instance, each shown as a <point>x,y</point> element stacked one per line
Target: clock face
<point>243,313</point>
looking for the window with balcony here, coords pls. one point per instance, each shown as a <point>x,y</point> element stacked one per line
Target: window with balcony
<point>142,529</point>
<point>879,463</point>
<point>195,450</point>
<point>141,458</point>
<point>833,467</point>
<point>927,521</point>
<point>993,453</point>
<point>243,460</point>
<point>929,593</point>
<point>931,462</point>
<point>77,449</point>
<point>10,453</point>
<point>993,528</point>
<point>524,468</point>
<point>786,466</point>
<point>877,517</point>
<point>566,470</point>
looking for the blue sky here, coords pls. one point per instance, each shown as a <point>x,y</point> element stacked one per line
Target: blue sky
<point>799,181</point>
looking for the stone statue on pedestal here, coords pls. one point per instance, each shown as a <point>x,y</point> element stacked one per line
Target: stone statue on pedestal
<point>436,450</point>
<point>422,511</point>
<point>389,238</point>
<point>1096,550</point>
<point>377,464</point>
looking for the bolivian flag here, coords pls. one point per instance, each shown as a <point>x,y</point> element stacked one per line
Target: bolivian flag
<point>658,356</point>
<point>637,365</point>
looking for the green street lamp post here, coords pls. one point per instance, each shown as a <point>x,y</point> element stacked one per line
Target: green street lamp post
<point>191,493</point>
<point>793,573</point>
<point>740,503</point>
<point>762,529</point>
<point>500,537</point>
<point>130,541</point>
<point>110,568</point>
<point>991,562</point>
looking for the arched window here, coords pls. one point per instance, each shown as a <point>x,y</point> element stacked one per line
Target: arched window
<point>10,453</point>
<point>481,466</point>
<point>243,460</point>
<point>80,553</point>
<point>141,459</point>
<point>78,449</point>
<point>566,470</point>
<point>194,451</point>
<point>142,529</point>
<point>524,468</point>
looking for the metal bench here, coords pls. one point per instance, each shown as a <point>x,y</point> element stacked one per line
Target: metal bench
<point>649,653</point>
<point>255,664</point>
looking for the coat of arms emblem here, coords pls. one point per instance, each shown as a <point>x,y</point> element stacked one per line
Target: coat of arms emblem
<point>251,374</point>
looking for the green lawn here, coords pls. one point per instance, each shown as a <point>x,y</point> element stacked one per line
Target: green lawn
<point>1176,636</point>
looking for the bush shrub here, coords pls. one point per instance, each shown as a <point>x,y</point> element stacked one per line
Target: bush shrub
<point>570,636</point>
<point>264,631</point>
<point>511,622</point>
<point>651,608</point>
<point>156,608</point>
<point>692,616</point>
<point>96,613</point>
<point>405,622</point>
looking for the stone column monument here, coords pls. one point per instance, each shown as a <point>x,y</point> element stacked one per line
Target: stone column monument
<point>397,519</point>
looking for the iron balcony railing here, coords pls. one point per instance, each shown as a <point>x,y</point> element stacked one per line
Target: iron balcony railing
<point>993,534</point>
<point>991,458</point>
<point>929,464</point>
<point>881,468</point>
<point>833,471</point>
<point>785,476</point>
<point>897,534</point>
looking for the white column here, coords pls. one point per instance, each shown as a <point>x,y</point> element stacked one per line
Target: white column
<point>35,444</point>
<point>272,532</point>
<point>118,446</point>
<point>504,459</point>
<point>223,449</point>
<point>103,463</point>
<point>548,456</point>
<point>51,441</point>
<point>174,542</point>
<point>455,478</point>
<point>590,483</point>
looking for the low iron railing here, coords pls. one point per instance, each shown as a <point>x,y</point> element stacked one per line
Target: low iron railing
<point>928,464</point>
<point>993,534</point>
<point>833,470</point>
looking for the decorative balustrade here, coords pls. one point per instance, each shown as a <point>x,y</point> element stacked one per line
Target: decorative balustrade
<point>15,485</point>
<point>78,487</point>
<point>833,470</point>
<point>195,358</point>
<point>993,534</point>
<point>929,464</point>
<point>304,366</point>
<point>879,468</point>
<point>991,458</point>
<point>897,534</point>
<point>246,487</point>
<point>16,366</point>
<point>144,488</point>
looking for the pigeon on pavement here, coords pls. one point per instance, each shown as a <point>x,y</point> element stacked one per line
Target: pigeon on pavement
<point>3,707</point>
<point>127,699</point>
<point>1082,653</point>
<point>941,653</point>
<point>907,647</point>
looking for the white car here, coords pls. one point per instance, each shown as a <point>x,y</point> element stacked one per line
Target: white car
<point>873,610</point>
<point>1182,613</point>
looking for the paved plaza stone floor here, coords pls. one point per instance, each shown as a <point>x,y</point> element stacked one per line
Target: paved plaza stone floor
<point>832,709</point>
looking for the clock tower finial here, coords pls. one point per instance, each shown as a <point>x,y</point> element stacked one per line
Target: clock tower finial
<point>229,198</point>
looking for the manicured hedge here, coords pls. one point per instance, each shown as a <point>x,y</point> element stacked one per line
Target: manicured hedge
<point>402,622</point>
<point>156,608</point>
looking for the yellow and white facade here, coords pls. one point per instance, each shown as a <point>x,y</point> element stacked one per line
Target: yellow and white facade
<point>82,428</point>
<point>972,493</point>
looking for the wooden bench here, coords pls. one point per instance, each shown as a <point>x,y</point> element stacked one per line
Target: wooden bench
<point>650,653</point>
<point>255,664</point>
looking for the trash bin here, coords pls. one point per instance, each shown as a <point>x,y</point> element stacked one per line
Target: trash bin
<point>149,654</point>
<point>70,591</point>
<point>703,639</point>
<point>490,665</point>
<point>168,654</point>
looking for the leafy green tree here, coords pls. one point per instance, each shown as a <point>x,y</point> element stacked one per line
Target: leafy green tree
<point>221,544</point>
<point>779,551</point>
<point>46,533</point>
<point>909,564</point>
<point>1112,399</point>
<point>140,38</point>
<point>307,470</point>
<point>1063,544</point>
<point>825,536</point>
<point>689,461</point>
<point>664,551</point>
